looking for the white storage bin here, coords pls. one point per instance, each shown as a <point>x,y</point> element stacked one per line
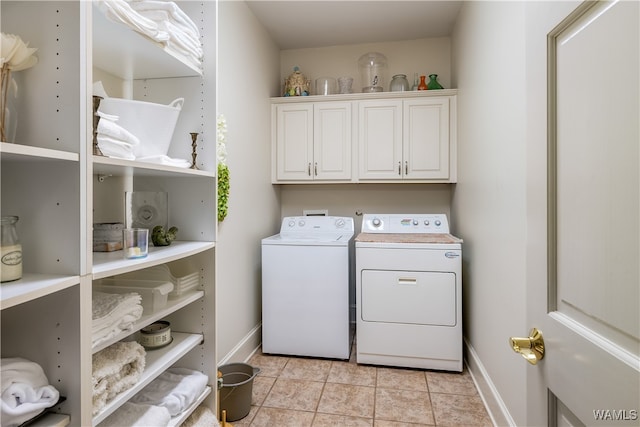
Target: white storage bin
<point>152,123</point>
<point>154,293</point>
<point>182,284</point>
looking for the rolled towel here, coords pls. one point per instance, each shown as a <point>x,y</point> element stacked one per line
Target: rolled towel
<point>120,11</point>
<point>25,391</point>
<point>111,147</point>
<point>113,130</point>
<point>175,389</point>
<point>135,415</point>
<point>115,369</point>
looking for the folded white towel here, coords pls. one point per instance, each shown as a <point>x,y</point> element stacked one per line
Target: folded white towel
<point>115,369</point>
<point>111,147</point>
<point>113,130</point>
<point>112,314</point>
<point>25,391</point>
<point>178,15</point>
<point>120,11</point>
<point>165,160</point>
<point>201,417</point>
<point>175,389</point>
<point>135,415</point>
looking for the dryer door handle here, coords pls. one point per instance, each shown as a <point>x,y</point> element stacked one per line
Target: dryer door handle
<point>407,281</point>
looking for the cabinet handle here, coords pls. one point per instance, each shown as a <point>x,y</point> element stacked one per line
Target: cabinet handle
<point>309,169</point>
<point>406,167</point>
<point>399,168</point>
<point>315,168</point>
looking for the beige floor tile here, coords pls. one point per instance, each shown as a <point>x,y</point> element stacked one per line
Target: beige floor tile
<point>452,383</point>
<point>330,420</point>
<point>351,373</point>
<point>409,406</point>
<point>306,369</point>
<point>345,399</point>
<point>270,366</point>
<point>385,423</point>
<point>261,388</point>
<point>246,421</point>
<point>272,417</point>
<point>402,379</point>
<point>458,410</point>
<point>290,393</point>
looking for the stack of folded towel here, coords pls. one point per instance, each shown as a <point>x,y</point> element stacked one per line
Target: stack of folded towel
<point>117,368</point>
<point>136,415</point>
<point>25,391</point>
<point>161,21</point>
<point>175,389</point>
<point>113,313</point>
<point>113,139</point>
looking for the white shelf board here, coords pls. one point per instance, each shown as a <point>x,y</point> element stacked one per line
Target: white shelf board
<point>19,152</point>
<point>172,305</point>
<point>157,361</point>
<point>363,96</point>
<point>180,418</point>
<point>107,264</point>
<point>127,54</point>
<point>52,420</point>
<point>32,286</point>
<point>120,167</point>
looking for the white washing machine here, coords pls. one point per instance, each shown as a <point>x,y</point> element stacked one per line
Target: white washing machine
<point>307,276</point>
<point>409,292</point>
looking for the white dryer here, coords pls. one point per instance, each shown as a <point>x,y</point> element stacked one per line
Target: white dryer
<point>307,277</point>
<point>409,292</point>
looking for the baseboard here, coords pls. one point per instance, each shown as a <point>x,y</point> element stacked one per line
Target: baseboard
<point>243,351</point>
<point>486,389</point>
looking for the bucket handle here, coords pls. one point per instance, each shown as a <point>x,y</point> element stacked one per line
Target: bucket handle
<point>177,103</point>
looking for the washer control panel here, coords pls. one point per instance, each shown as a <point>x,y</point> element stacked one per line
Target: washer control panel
<point>399,223</point>
<point>316,224</point>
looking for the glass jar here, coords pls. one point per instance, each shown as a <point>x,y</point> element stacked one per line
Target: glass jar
<point>373,69</point>
<point>399,83</point>
<point>10,250</point>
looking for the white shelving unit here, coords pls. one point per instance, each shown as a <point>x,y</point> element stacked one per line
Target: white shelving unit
<point>51,180</point>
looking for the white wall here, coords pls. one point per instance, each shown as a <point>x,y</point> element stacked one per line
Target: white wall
<point>248,71</point>
<point>489,201</point>
<point>422,56</point>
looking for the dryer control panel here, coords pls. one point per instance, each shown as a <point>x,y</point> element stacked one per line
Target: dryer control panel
<point>399,223</point>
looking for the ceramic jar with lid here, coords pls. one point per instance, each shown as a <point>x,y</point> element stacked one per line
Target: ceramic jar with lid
<point>399,83</point>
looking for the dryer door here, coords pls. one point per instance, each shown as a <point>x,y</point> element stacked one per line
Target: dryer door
<point>408,297</point>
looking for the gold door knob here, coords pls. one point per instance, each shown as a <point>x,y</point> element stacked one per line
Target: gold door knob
<point>531,348</point>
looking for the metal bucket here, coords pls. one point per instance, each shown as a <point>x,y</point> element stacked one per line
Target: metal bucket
<point>237,388</point>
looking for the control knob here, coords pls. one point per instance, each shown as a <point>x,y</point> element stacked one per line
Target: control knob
<point>301,223</point>
<point>376,222</point>
<point>340,223</point>
<point>426,222</point>
<point>292,223</point>
<point>438,223</point>
<point>415,222</point>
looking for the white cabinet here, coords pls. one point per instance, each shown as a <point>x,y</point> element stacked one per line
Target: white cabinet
<point>408,139</point>
<point>384,137</point>
<point>58,188</point>
<point>312,141</point>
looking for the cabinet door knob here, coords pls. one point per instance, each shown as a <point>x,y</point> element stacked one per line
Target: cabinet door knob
<point>406,167</point>
<point>399,168</point>
<point>309,169</point>
<point>315,168</point>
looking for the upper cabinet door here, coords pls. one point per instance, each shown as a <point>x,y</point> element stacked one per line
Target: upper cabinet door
<point>294,142</point>
<point>332,141</point>
<point>426,138</point>
<point>380,139</point>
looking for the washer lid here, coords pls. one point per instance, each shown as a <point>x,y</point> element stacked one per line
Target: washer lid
<point>317,239</point>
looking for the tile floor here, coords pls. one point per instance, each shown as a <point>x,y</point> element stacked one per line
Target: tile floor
<point>306,392</point>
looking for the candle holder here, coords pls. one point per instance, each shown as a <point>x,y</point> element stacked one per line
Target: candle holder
<point>96,119</point>
<point>194,139</point>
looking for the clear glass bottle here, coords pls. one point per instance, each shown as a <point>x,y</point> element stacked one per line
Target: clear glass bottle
<point>399,83</point>
<point>415,82</point>
<point>10,250</point>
